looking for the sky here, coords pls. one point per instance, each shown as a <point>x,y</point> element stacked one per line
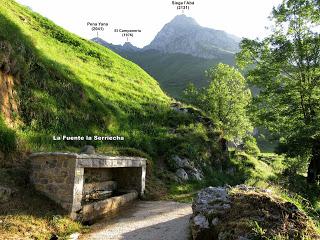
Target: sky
<point>243,18</point>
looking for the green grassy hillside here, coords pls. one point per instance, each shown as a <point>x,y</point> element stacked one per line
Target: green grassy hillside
<point>56,83</point>
<point>67,85</point>
<point>175,71</point>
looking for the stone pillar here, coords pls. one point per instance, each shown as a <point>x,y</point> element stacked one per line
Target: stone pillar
<point>143,179</point>
<point>77,191</point>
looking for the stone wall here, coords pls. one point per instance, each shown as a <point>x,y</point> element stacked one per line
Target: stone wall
<point>54,176</point>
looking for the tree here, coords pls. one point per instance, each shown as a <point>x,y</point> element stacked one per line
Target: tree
<point>224,100</point>
<point>285,68</point>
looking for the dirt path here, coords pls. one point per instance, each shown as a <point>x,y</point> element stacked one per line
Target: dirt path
<point>156,220</point>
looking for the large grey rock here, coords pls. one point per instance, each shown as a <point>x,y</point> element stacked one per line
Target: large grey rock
<point>182,174</point>
<point>200,227</point>
<point>213,200</point>
<point>225,213</point>
<point>188,168</point>
<point>184,163</point>
<point>5,194</point>
<point>210,203</point>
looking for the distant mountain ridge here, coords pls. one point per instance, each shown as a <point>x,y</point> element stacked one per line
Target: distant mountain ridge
<point>184,35</point>
<point>180,53</point>
<point>125,47</point>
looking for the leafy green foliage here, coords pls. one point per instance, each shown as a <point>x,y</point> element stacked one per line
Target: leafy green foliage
<point>259,232</point>
<point>8,140</point>
<point>297,165</point>
<point>225,100</point>
<point>250,145</point>
<point>285,68</point>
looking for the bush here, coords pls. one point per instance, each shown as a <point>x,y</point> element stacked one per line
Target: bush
<point>297,165</point>
<point>8,141</point>
<point>250,145</point>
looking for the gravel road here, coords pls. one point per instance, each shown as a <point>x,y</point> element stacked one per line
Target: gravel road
<point>145,220</point>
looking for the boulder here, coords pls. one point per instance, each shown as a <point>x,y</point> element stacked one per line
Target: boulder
<point>188,168</point>
<point>225,213</point>
<point>200,227</point>
<point>182,175</point>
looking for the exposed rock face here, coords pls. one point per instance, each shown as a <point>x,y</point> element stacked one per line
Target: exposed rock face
<point>182,174</point>
<point>195,174</point>
<point>208,206</point>
<point>184,35</point>
<point>8,98</point>
<point>185,169</point>
<point>225,213</point>
<point>182,163</point>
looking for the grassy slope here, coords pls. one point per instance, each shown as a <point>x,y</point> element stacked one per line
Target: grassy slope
<point>68,85</point>
<point>175,71</point>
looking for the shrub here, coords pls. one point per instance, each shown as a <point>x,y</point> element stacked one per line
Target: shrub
<point>8,141</point>
<point>250,146</point>
<point>297,165</point>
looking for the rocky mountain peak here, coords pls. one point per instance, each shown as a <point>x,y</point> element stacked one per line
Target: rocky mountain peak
<point>100,41</point>
<point>184,35</point>
<point>130,46</point>
<point>183,20</point>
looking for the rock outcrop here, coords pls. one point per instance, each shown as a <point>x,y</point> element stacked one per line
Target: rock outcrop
<point>243,212</point>
<point>185,170</point>
<point>8,98</point>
